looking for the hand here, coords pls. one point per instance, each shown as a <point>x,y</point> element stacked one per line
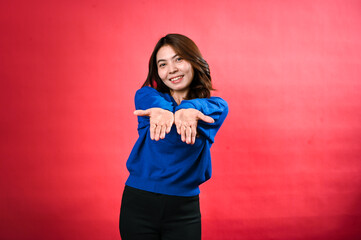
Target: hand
<point>186,121</point>
<point>161,121</point>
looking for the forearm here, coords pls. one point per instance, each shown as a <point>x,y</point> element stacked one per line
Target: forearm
<point>213,107</point>
<point>147,97</point>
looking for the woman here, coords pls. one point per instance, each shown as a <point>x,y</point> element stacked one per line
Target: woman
<point>177,123</point>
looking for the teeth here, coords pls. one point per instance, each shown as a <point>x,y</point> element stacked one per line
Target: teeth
<point>174,79</point>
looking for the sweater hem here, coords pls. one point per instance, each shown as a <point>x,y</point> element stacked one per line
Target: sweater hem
<point>161,187</point>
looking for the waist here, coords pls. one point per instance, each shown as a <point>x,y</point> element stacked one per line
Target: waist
<point>162,186</point>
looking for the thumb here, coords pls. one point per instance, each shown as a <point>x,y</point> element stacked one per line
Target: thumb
<point>205,118</point>
<point>142,112</point>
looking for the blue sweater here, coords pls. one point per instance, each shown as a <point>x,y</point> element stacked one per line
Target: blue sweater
<point>170,166</point>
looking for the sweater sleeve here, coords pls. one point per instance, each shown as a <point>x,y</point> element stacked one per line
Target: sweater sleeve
<point>215,107</point>
<point>148,97</point>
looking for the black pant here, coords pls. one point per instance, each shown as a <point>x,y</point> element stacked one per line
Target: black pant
<point>146,216</point>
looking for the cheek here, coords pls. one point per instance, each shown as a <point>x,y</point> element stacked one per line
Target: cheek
<point>188,67</point>
<point>191,72</point>
<point>161,74</point>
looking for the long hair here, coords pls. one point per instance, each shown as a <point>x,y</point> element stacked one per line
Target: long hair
<point>201,85</point>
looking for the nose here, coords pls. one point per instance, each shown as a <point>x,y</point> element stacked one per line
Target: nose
<point>172,68</point>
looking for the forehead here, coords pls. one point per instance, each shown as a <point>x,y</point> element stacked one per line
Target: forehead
<point>166,52</point>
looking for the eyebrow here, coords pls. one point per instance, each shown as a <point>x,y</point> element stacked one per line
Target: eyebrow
<point>165,60</point>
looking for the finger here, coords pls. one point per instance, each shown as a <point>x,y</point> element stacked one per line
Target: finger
<point>152,130</point>
<point>189,135</point>
<point>157,132</point>
<point>205,118</point>
<point>194,133</point>
<point>178,128</point>
<point>183,133</point>
<point>168,128</point>
<point>162,132</point>
<point>142,112</point>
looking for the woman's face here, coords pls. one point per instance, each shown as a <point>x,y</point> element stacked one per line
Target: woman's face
<point>175,72</point>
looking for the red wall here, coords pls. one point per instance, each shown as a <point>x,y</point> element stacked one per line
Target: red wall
<point>286,163</point>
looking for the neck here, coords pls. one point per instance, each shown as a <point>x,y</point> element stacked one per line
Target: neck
<point>179,96</point>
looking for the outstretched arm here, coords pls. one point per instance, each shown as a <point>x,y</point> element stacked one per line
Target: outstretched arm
<point>160,120</point>
<point>213,107</point>
<point>148,97</point>
<point>149,104</point>
<point>186,121</point>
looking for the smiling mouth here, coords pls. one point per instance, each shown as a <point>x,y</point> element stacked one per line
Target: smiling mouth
<point>176,78</point>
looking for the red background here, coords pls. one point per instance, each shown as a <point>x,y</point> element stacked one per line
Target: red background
<point>286,163</point>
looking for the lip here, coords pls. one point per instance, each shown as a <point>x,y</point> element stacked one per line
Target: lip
<point>181,76</point>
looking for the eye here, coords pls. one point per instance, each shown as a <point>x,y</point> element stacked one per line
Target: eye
<point>179,59</point>
<point>161,65</point>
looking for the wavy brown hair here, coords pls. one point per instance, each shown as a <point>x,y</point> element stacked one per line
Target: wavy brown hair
<point>201,85</point>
